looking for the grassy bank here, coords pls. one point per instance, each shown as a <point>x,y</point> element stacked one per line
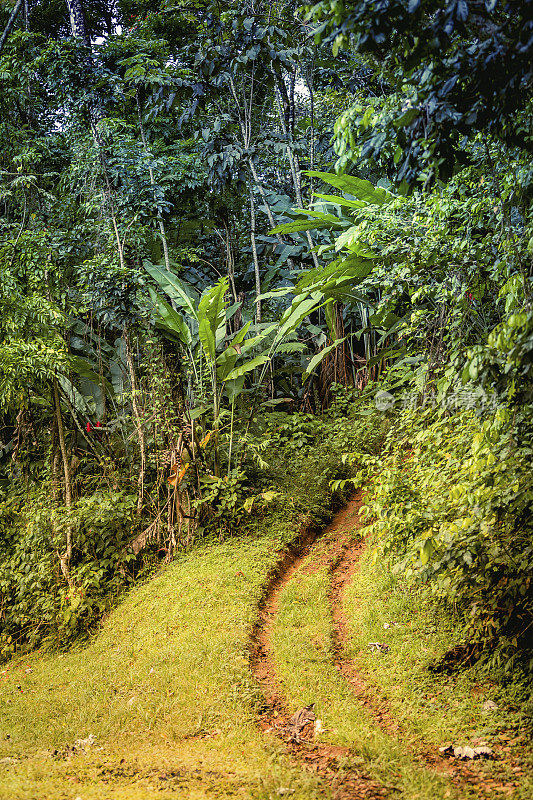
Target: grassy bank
<point>165,683</point>
<point>302,652</point>
<point>433,709</point>
<point>438,707</point>
<point>165,687</point>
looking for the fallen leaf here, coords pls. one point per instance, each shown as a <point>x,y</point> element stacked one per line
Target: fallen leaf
<point>378,647</point>
<point>466,753</point>
<point>319,728</point>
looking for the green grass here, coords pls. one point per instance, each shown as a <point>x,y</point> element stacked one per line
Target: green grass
<point>301,643</point>
<point>165,686</point>
<point>166,689</point>
<point>437,708</point>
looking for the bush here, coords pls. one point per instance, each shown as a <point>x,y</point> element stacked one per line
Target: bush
<point>36,605</point>
<point>452,500</point>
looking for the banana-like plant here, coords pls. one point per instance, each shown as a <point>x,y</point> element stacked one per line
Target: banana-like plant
<point>200,326</point>
<point>352,259</point>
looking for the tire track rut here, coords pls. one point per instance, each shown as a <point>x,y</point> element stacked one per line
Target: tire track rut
<point>331,763</point>
<point>345,560</point>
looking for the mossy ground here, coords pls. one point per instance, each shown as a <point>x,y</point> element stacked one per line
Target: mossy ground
<point>165,688</point>
<point>167,691</point>
<point>437,707</point>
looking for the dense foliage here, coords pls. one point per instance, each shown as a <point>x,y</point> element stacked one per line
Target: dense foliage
<point>225,227</point>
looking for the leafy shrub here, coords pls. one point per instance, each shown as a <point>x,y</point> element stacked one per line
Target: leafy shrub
<point>221,507</point>
<point>451,501</point>
<point>36,605</point>
<point>294,432</point>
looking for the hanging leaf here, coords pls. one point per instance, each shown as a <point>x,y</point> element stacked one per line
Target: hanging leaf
<point>315,361</point>
<point>358,187</point>
<point>211,316</point>
<point>248,503</point>
<point>174,287</point>
<point>86,369</point>
<point>234,387</point>
<point>205,440</point>
<point>170,320</point>
<point>177,475</point>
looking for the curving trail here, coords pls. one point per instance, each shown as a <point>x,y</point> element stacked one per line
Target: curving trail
<point>330,763</point>
<point>334,764</point>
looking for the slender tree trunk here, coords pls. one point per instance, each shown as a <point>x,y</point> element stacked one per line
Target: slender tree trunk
<point>10,23</point>
<point>54,460</point>
<point>66,558</point>
<point>138,422</point>
<point>77,21</point>
<point>152,183</point>
<point>285,115</point>
<point>230,263</point>
<point>255,257</point>
<point>107,194</point>
<point>310,87</point>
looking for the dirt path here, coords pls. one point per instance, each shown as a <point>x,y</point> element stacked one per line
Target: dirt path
<point>332,764</point>
<point>344,562</point>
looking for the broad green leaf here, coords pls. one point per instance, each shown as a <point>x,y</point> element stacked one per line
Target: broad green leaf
<point>269,495</point>
<point>389,352</point>
<point>426,550</point>
<point>291,347</point>
<point>75,397</point>
<point>358,187</point>
<point>248,503</point>
<point>86,369</point>
<point>281,292</point>
<point>349,240</point>
<point>406,118</point>
<point>318,357</point>
<point>254,340</point>
<point>303,225</point>
<point>232,310</point>
<point>331,218</point>
<point>352,264</point>
<point>174,287</point>
<point>240,335</point>
<point>207,338</point>
<point>297,311</point>
<point>234,387</point>
<point>171,319</point>
<point>226,362</point>
<point>211,316</point>
<point>238,372</point>
<point>340,201</point>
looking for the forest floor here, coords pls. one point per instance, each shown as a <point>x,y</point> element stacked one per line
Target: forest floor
<point>189,688</point>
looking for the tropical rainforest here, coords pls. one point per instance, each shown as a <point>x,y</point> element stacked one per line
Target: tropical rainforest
<point>262,265</point>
